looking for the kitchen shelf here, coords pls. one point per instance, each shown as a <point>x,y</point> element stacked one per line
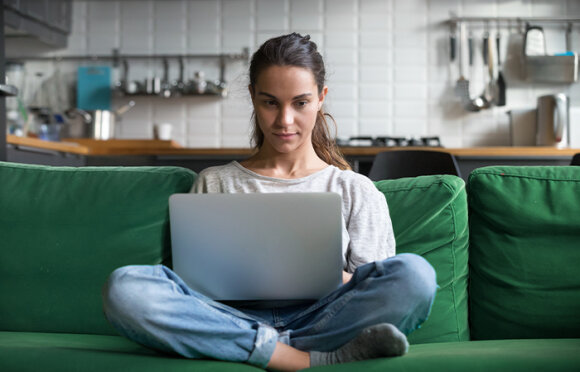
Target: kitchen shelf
<point>120,93</point>
<point>118,58</point>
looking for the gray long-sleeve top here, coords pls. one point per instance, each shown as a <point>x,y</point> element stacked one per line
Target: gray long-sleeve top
<point>367,231</point>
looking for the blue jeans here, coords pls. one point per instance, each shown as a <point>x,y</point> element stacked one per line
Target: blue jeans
<point>152,306</point>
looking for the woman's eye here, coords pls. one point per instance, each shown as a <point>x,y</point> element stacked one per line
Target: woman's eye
<point>270,102</point>
<point>301,103</point>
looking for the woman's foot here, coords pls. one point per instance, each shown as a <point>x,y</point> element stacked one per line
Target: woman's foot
<point>378,341</point>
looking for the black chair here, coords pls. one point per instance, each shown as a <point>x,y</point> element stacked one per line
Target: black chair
<point>576,159</point>
<point>411,163</point>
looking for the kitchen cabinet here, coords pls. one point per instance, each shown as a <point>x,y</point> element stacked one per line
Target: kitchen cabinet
<point>46,20</point>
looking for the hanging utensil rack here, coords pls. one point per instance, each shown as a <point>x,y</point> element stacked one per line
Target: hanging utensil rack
<point>561,68</point>
<point>455,21</point>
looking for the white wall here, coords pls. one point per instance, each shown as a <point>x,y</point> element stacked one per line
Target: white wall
<point>387,62</point>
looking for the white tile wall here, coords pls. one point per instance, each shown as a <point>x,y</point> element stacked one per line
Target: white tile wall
<point>387,62</point>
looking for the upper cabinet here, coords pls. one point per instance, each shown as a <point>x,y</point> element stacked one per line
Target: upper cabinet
<point>46,20</point>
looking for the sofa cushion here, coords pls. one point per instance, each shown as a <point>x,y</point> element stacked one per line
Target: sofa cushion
<point>64,230</point>
<point>429,215</point>
<point>525,251</point>
<point>23,351</point>
<point>498,356</point>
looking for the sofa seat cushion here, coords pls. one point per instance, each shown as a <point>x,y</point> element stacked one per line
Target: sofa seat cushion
<point>524,252</point>
<point>429,217</point>
<point>58,352</point>
<point>64,230</point>
<point>477,356</point>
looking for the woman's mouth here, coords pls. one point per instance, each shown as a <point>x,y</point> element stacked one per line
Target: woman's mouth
<point>285,135</point>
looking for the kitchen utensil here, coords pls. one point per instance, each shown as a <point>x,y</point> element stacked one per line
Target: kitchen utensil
<point>485,98</point>
<point>452,57</point>
<point>462,84</point>
<point>217,87</point>
<point>94,88</point>
<point>491,88</point>
<point>569,37</point>
<point>534,41</point>
<point>478,102</point>
<point>127,86</point>
<point>153,86</point>
<point>165,85</point>
<point>553,121</point>
<point>200,83</point>
<point>123,109</point>
<point>179,86</point>
<point>122,85</point>
<point>501,84</point>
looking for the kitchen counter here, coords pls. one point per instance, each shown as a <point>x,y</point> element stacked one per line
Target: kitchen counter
<point>82,146</point>
<point>88,152</point>
<point>158,147</point>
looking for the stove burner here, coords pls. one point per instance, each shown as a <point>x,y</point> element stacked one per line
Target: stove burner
<point>391,141</point>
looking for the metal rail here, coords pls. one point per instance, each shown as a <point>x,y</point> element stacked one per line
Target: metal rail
<point>510,20</point>
<point>516,19</point>
<point>116,57</point>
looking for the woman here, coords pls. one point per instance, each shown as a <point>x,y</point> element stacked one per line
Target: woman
<point>383,297</point>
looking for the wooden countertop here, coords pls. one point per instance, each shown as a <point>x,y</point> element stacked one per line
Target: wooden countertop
<point>158,147</point>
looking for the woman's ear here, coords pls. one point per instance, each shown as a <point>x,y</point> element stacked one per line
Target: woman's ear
<point>251,89</point>
<point>322,96</point>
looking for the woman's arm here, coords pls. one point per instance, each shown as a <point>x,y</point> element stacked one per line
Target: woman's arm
<point>369,226</point>
<point>346,277</point>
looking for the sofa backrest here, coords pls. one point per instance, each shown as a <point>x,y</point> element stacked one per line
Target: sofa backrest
<point>524,252</point>
<point>64,230</point>
<point>429,215</point>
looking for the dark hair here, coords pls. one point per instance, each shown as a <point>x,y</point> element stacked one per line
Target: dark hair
<point>297,50</point>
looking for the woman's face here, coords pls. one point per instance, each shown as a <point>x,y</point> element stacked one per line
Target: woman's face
<point>286,102</point>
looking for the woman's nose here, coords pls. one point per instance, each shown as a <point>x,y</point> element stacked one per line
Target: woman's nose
<point>286,116</point>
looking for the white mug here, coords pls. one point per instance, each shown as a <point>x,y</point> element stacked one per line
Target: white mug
<point>162,131</point>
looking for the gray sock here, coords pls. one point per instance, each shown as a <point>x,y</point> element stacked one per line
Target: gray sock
<point>381,340</point>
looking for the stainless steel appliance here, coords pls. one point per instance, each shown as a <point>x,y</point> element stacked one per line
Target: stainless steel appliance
<point>552,120</point>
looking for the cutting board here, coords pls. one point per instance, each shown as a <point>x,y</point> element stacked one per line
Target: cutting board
<point>94,88</point>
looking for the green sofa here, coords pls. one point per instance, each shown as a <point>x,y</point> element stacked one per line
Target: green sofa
<point>506,249</point>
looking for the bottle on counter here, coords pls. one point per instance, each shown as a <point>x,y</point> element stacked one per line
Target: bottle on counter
<point>199,82</point>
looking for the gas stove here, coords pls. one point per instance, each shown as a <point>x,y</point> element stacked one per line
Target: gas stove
<point>366,141</point>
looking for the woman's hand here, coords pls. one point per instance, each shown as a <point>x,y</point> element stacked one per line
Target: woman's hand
<point>346,277</point>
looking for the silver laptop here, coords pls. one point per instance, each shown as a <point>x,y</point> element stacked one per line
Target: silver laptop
<point>237,247</point>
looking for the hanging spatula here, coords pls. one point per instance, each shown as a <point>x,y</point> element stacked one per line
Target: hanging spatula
<point>462,85</point>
